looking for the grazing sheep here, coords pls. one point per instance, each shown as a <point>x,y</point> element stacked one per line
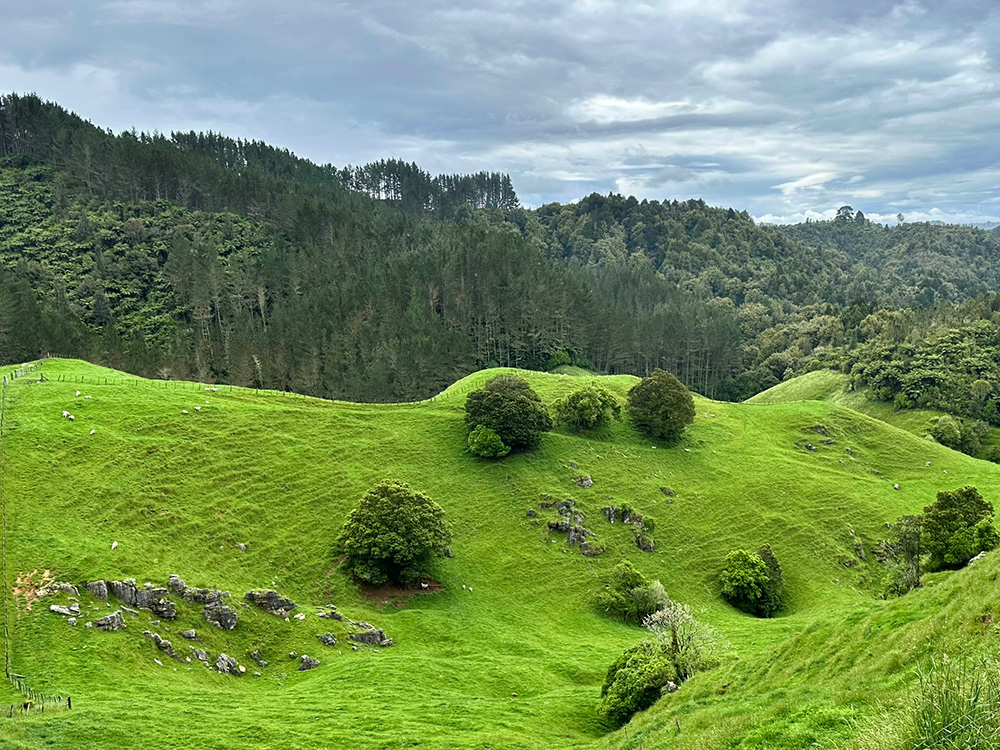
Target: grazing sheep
<point>65,414</point>
<point>71,418</point>
<point>184,411</point>
<point>927,464</point>
<point>114,545</point>
<point>92,432</point>
<point>78,394</point>
<point>197,408</point>
<point>895,486</point>
<point>423,585</point>
<point>88,396</point>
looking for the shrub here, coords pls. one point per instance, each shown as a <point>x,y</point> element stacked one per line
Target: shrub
<point>773,596</point>
<point>634,682</point>
<point>507,405</point>
<point>691,646</point>
<point>957,527</point>
<point>744,580</point>
<point>901,552</point>
<point>588,408</point>
<point>629,593</point>
<point>393,534</point>
<point>485,443</point>
<point>661,406</point>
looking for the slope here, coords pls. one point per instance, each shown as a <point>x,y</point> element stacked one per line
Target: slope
<point>278,473</point>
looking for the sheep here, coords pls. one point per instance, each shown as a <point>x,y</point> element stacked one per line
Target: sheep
<point>92,432</point>
<point>71,418</point>
<point>78,394</point>
<point>197,408</point>
<point>65,413</point>
<point>927,464</point>
<point>895,486</point>
<point>88,396</point>
<point>423,585</point>
<point>114,545</point>
<point>184,411</point>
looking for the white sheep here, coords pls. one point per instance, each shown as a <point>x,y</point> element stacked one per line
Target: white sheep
<point>78,394</point>
<point>65,414</point>
<point>88,396</point>
<point>114,545</point>
<point>71,418</point>
<point>197,408</point>
<point>184,411</point>
<point>92,432</point>
<point>895,486</point>
<point>927,464</point>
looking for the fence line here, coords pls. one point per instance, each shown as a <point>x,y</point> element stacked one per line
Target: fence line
<point>35,700</point>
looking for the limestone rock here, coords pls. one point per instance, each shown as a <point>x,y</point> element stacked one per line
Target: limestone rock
<point>195,595</point>
<point>590,550</point>
<point>977,558</point>
<point>221,616</point>
<point>328,639</point>
<point>585,482</point>
<point>255,655</point>
<point>228,665</point>
<point>308,663</point>
<point>114,621</point>
<point>371,635</point>
<point>71,621</point>
<point>189,634</point>
<point>98,589</point>
<point>270,601</point>
<point>59,609</point>
<point>670,687</point>
<point>199,654</point>
<point>148,597</point>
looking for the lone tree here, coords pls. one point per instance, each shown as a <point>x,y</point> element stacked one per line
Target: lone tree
<point>751,584</point>
<point>628,593</point>
<point>588,408</point>
<point>507,405</point>
<point>957,527</point>
<point>661,406</point>
<point>393,534</point>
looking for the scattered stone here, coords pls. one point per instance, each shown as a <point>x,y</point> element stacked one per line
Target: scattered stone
<point>242,547</point>
<point>256,674</point>
<point>328,639</point>
<point>98,589</point>
<point>59,609</point>
<point>195,595</point>
<point>228,665</point>
<point>189,634</point>
<point>572,465</point>
<point>564,506</point>
<point>848,451</point>
<point>671,687</point>
<point>64,586</point>
<point>308,663</point>
<point>270,601</point>
<point>447,551</point>
<point>88,624</point>
<point>532,513</point>
<point>667,491</point>
<point>300,616</point>
<point>293,654</point>
<point>546,501</point>
<point>370,635</point>
<point>810,447</point>
<point>977,558</point>
<point>221,616</point>
<point>199,654</point>
<point>584,482</point>
<point>819,428</point>
<point>590,550</point>
<point>646,545</point>
<point>71,621</point>
<point>258,659</point>
<point>114,621</point>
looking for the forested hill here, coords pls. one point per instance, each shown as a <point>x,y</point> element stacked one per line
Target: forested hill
<point>199,255</point>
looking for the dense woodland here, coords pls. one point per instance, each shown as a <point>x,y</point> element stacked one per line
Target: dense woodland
<point>198,255</point>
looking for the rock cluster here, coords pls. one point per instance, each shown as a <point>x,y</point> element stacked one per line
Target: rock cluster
<point>221,616</point>
<point>328,639</point>
<point>370,635</point>
<point>147,597</point>
<point>307,663</point>
<point>228,665</point>
<point>114,621</point>
<point>270,601</point>
<point>163,644</point>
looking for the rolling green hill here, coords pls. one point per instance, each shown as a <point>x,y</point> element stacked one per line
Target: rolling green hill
<point>277,473</point>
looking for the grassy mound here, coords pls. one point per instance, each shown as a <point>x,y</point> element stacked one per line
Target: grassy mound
<point>277,473</point>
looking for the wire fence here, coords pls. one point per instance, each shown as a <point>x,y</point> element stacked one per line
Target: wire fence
<point>34,700</point>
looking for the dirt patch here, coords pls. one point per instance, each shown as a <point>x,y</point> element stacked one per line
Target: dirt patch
<point>30,586</point>
<point>398,596</point>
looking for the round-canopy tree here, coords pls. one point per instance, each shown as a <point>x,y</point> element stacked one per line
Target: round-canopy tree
<point>753,581</point>
<point>507,405</point>
<point>393,534</point>
<point>661,406</point>
<point>588,408</point>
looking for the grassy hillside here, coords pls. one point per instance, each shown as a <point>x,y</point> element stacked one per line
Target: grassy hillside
<point>278,473</point>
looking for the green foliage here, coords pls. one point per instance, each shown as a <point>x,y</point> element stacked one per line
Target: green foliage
<point>957,527</point>
<point>393,534</point>
<point>745,580</point>
<point>507,405</point>
<point>629,594</point>
<point>634,682</point>
<point>485,443</point>
<point>690,645</point>
<point>773,589</point>
<point>589,408</point>
<point>661,406</point>
<point>901,552</point>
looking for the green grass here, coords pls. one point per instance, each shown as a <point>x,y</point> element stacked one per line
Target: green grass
<point>279,473</point>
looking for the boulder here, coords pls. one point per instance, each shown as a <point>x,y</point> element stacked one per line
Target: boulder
<point>148,597</point>
<point>228,665</point>
<point>977,558</point>
<point>221,616</point>
<point>584,482</point>
<point>532,513</point>
<point>590,550</point>
<point>98,589</point>
<point>199,654</point>
<point>328,639</point>
<point>308,663</point>
<point>255,655</point>
<point>114,621</point>
<point>189,634</point>
<point>59,609</point>
<point>270,601</point>
<point>371,636</point>
<point>71,621</point>
<point>69,588</point>
<point>195,595</point>
<point>670,687</point>
<point>646,545</point>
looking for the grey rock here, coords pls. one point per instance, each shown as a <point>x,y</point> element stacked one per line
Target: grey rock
<point>977,558</point>
<point>71,621</point>
<point>337,616</point>
<point>200,654</point>
<point>256,674</point>
<point>532,513</point>
<point>293,654</point>
<point>270,601</point>
<point>221,616</point>
<point>242,547</point>
<point>67,587</point>
<point>255,655</point>
<point>228,665</point>
<point>195,595</point>
<point>371,636</point>
<point>148,597</point>
<point>447,552</point>
<point>98,589</point>
<point>308,663</point>
<point>328,639</point>
<point>189,634</point>
<point>590,550</point>
<point>572,465</point>
<point>646,545</point>
<point>670,687</point>
<point>114,621</point>
<point>59,609</point>
<point>585,482</point>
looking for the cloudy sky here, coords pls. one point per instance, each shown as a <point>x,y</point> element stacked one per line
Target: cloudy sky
<point>785,108</point>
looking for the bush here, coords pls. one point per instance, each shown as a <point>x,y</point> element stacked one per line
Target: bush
<point>629,593</point>
<point>957,527</point>
<point>745,581</point>
<point>507,405</point>
<point>588,408</point>
<point>661,406</point>
<point>485,443</point>
<point>690,645</point>
<point>634,682</point>
<point>393,534</point>
<point>773,596</point>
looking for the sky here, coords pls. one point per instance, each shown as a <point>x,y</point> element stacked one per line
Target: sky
<point>787,109</point>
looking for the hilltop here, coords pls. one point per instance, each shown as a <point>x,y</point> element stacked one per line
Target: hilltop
<point>278,472</point>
